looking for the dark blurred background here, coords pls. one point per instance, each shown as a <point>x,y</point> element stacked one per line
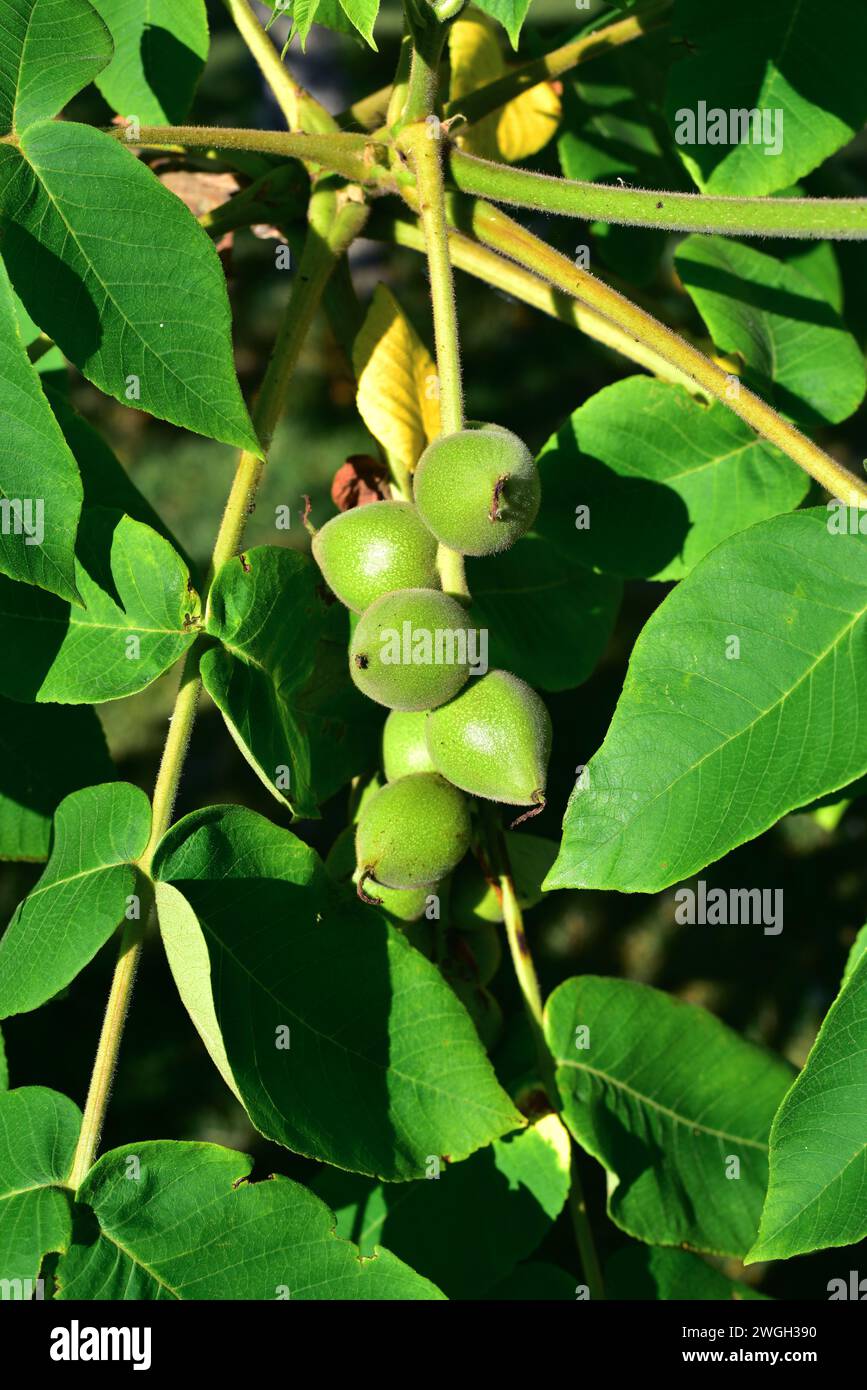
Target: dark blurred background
<point>527,372</point>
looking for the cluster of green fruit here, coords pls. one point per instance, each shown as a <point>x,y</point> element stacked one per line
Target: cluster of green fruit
<point>475,492</point>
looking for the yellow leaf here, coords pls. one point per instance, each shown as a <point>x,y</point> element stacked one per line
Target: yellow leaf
<point>397,380</point>
<point>521,127</point>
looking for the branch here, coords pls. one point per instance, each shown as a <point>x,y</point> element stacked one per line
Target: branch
<point>837,218</point>
<point>301,110</point>
<point>353,156</point>
<point>501,233</point>
<point>333,225</point>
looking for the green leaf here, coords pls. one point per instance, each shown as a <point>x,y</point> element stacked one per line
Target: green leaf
<point>182,1221</point>
<point>779,321</point>
<point>651,1272</point>
<point>303,15</point>
<point>139,616</point>
<point>665,479</point>
<point>730,712</point>
<point>503,1201</point>
<point>362,15</point>
<point>856,952</point>
<point>666,1098</point>
<point>81,897</point>
<point>38,1134</point>
<point>802,61</point>
<point>548,620</point>
<point>4,1068</point>
<point>375,1035</point>
<point>40,493</point>
<point>49,53</point>
<point>510,13</point>
<point>281,680</point>
<point>819,1139</point>
<point>116,270</point>
<point>46,752</point>
<point>160,48</point>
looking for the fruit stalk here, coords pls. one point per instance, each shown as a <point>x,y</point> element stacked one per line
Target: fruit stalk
<point>329,234</point>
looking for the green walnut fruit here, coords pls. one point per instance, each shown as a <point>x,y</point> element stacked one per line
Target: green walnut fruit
<point>372,550</point>
<point>475,902</point>
<point>401,904</point>
<point>478,489</point>
<point>413,649</point>
<point>404,744</point>
<point>412,833</point>
<point>493,740</point>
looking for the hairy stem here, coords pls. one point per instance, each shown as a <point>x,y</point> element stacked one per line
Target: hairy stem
<point>503,234</point>
<point>334,223</point>
<point>301,110</point>
<point>501,274</point>
<point>344,152</point>
<point>836,218</point>
<point>493,95</point>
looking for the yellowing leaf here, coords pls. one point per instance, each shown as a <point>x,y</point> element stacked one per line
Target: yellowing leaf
<point>397,380</point>
<point>521,127</point>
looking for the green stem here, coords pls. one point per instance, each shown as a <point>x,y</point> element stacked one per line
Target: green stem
<point>345,152</point>
<point>503,234</point>
<point>301,110</point>
<point>428,38</point>
<point>528,982</point>
<point>837,218</point>
<point>499,273</point>
<point>493,95</point>
<point>335,220</point>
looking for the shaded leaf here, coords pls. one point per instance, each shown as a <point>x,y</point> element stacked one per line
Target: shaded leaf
<point>819,1139</point>
<point>375,1035</point>
<point>80,899</point>
<point>139,616</point>
<point>40,493</point>
<point>781,56</point>
<point>503,1200</point>
<point>664,477</point>
<point>182,1221</point>
<point>792,340</point>
<point>50,50</point>
<point>729,716</point>
<point>280,677</point>
<point>644,1272</point>
<point>548,621</point>
<point>667,1130</point>
<point>38,1133</point>
<point>160,48</point>
<point>535,1281</point>
<point>46,752</point>
<point>114,268</point>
